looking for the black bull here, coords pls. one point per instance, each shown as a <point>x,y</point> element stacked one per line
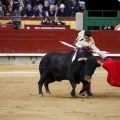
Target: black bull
<point>57,66</point>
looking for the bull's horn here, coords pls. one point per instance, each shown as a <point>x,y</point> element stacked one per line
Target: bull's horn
<point>82,59</point>
<point>100,63</point>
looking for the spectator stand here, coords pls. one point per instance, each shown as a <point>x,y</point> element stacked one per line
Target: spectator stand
<point>37,21</point>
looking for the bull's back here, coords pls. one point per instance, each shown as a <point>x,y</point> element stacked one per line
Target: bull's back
<point>55,62</point>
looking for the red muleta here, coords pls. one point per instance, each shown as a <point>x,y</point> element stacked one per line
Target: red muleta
<point>113,69</point>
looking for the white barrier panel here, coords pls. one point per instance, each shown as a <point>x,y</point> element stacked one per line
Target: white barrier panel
<point>41,55</point>
<point>79,21</point>
<point>20,58</point>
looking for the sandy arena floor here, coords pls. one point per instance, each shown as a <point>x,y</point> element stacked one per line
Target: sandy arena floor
<point>19,98</point>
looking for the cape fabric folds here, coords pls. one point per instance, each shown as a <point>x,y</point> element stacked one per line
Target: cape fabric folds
<point>113,69</point>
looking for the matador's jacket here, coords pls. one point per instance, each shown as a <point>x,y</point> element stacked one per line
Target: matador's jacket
<point>90,45</point>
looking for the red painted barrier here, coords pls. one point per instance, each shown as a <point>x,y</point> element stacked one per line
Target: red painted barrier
<point>107,40</point>
<point>39,18</point>
<point>44,41</point>
<point>47,27</point>
<point>6,27</point>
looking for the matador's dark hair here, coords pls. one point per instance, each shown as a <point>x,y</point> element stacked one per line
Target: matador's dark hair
<point>88,33</point>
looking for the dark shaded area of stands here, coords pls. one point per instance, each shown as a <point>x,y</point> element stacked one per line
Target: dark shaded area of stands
<point>101,13</point>
<point>102,5</point>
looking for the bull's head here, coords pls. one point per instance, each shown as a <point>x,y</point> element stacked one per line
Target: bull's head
<point>91,65</point>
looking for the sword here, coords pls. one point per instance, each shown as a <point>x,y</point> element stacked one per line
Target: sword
<point>67,44</point>
<point>104,52</point>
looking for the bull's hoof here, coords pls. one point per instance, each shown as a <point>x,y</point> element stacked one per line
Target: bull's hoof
<point>89,94</point>
<point>41,94</point>
<point>86,94</point>
<point>81,91</point>
<point>72,94</point>
<point>48,92</point>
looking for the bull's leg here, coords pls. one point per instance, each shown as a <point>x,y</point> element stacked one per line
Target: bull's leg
<point>46,83</point>
<point>83,89</point>
<point>86,88</point>
<point>73,84</point>
<point>71,78</point>
<point>40,84</point>
<point>90,68</point>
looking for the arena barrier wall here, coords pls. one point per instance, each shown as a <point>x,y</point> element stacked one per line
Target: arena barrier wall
<point>35,43</point>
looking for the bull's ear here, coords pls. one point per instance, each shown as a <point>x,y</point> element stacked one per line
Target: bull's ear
<point>82,59</point>
<point>99,63</point>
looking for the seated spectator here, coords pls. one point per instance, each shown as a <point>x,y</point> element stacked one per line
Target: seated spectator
<point>21,3</point>
<point>26,2</point>
<point>56,21</point>
<point>19,12</point>
<point>66,2</point>
<point>10,11</point>
<point>62,12</point>
<point>39,12</point>
<point>46,6</point>
<point>37,2</point>
<point>51,12</point>
<point>29,11</point>
<point>3,7</point>
<point>45,21</point>
<point>51,2</point>
<point>15,4</point>
<point>10,3</point>
<point>5,2</point>
<point>2,13</point>
<point>58,3</point>
<point>82,4</point>
<point>10,21</point>
<point>73,7</point>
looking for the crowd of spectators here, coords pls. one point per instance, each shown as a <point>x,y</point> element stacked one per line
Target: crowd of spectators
<point>41,8</point>
<point>55,21</point>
